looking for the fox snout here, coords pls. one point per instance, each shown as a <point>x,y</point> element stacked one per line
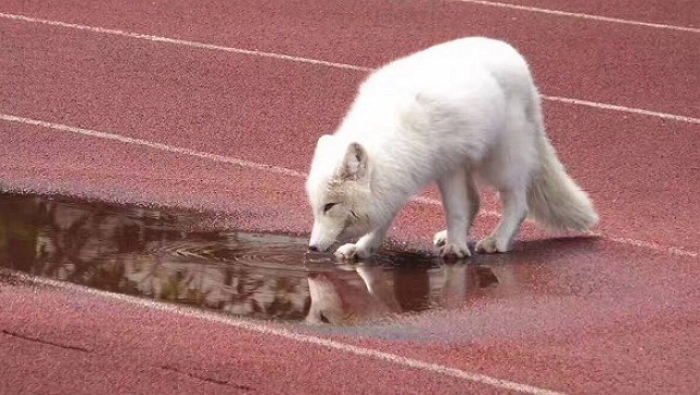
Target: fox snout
<point>314,247</point>
<point>321,239</point>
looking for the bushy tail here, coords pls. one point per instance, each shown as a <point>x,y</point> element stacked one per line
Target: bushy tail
<point>555,201</point>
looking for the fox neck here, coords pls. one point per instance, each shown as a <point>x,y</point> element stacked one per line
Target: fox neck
<point>391,187</point>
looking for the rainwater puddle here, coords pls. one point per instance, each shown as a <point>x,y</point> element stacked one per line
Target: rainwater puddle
<point>176,256</point>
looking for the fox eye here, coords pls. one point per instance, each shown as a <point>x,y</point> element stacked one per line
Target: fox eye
<point>328,207</point>
<point>324,319</point>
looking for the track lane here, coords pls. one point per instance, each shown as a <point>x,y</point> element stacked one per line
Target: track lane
<point>596,61</point>
<point>674,13</point>
<point>579,316</point>
<point>251,108</point>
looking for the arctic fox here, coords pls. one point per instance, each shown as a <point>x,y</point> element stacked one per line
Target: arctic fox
<point>462,110</point>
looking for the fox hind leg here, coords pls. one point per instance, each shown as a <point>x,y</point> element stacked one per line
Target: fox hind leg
<point>460,199</point>
<point>514,202</point>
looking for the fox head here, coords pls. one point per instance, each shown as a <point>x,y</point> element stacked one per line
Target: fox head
<point>339,300</point>
<point>329,299</point>
<point>338,188</point>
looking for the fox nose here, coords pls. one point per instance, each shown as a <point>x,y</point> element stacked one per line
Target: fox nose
<point>313,248</point>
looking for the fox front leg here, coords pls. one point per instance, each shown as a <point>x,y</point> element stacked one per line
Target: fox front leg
<point>365,246</point>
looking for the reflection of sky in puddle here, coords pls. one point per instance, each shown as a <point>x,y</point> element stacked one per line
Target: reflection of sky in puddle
<point>167,256</point>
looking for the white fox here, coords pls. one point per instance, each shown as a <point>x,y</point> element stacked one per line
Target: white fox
<point>458,111</point>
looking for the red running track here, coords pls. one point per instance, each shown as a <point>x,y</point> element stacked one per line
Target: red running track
<point>592,317</point>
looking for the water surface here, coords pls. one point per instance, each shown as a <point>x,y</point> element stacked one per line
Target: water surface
<point>176,256</point>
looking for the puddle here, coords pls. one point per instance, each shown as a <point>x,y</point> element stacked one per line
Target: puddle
<point>175,256</point>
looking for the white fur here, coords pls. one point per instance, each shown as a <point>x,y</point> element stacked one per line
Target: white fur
<point>454,112</point>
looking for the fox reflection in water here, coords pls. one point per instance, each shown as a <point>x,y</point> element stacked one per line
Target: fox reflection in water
<point>178,257</point>
<point>340,301</point>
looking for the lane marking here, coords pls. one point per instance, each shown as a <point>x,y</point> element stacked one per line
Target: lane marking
<point>285,171</point>
<point>435,202</point>
<point>186,43</point>
<point>150,144</point>
<point>583,16</point>
<point>251,326</point>
<point>345,66</point>
<point>613,107</point>
<point>655,247</point>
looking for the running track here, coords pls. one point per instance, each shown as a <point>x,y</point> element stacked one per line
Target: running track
<point>217,105</point>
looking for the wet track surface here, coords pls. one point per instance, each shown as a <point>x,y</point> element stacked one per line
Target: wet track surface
<point>549,302</point>
<point>215,107</point>
<point>176,256</point>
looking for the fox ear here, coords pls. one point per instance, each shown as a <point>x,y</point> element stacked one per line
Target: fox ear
<point>354,165</point>
<point>324,140</point>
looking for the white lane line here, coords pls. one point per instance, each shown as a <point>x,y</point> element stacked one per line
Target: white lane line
<point>622,240</point>
<point>150,144</point>
<point>613,107</point>
<point>434,202</point>
<point>294,336</point>
<point>583,16</point>
<point>291,58</point>
<point>187,43</point>
<point>655,247</point>
<point>284,171</point>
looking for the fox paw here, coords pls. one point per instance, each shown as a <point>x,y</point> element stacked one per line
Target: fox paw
<point>350,252</point>
<point>454,251</point>
<point>490,245</point>
<point>440,238</point>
